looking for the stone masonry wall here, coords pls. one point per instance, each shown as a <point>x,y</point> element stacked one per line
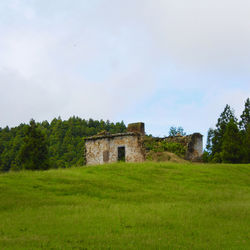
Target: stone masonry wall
<point>195,147</point>
<point>138,127</point>
<point>193,144</point>
<point>105,150</point>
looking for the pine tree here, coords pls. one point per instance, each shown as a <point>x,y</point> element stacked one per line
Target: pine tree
<point>245,117</point>
<point>210,135</point>
<point>207,153</point>
<point>34,152</point>
<point>219,132</point>
<point>245,131</point>
<point>246,145</point>
<point>232,151</point>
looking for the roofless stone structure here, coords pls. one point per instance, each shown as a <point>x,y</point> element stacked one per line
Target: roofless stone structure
<point>108,148</point>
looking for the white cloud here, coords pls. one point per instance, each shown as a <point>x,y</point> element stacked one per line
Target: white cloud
<point>127,60</point>
<point>212,34</point>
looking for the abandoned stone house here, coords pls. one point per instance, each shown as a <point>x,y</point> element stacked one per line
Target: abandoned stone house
<point>108,148</point>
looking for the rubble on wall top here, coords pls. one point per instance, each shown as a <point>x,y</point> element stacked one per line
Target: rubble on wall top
<point>183,136</point>
<point>108,135</point>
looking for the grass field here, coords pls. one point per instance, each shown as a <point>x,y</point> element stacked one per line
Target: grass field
<point>127,206</point>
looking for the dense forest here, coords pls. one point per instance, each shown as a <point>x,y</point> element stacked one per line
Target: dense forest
<point>229,142</point>
<point>58,144</point>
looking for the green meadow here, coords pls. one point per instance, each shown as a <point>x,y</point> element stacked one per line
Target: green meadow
<point>127,206</point>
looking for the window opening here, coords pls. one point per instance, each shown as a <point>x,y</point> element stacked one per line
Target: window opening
<point>106,156</point>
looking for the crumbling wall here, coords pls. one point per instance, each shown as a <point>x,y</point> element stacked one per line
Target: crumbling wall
<point>138,127</point>
<point>184,140</point>
<point>195,147</point>
<point>193,144</point>
<point>105,149</point>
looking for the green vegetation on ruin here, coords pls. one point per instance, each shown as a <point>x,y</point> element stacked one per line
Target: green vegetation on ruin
<point>127,206</point>
<point>154,145</point>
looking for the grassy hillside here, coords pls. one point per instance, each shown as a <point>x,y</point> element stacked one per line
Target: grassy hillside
<point>127,206</point>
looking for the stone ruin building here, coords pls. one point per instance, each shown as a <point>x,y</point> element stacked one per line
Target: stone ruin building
<point>108,148</point>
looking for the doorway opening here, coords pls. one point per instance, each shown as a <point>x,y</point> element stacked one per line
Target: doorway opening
<point>121,153</point>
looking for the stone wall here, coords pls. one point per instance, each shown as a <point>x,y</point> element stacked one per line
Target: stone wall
<point>195,147</point>
<point>193,144</point>
<point>100,150</point>
<point>138,127</point>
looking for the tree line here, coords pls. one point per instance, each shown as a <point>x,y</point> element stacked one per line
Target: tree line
<point>60,144</point>
<point>229,142</point>
<point>44,145</point>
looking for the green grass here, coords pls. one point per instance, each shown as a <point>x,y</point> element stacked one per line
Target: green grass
<point>127,206</point>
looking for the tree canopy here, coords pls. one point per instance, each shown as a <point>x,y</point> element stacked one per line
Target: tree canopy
<point>229,142</point>
<point>64,139</point>
<point>175,131</point>
<point>34,152</point>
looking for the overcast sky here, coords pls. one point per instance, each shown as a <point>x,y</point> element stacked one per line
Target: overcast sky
<point>163,62</point>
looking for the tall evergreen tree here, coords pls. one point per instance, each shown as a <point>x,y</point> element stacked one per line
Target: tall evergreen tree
<point>246,145</point>
<point>245,131</point>
<point>207,154</point>
<point>226,116</point>
<point>245,117</point>
<point>210,136</point>
<point>232,151</point>
<point>34,152</point>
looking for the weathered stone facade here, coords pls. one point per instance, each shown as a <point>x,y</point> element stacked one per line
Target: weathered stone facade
<point>106,148</point>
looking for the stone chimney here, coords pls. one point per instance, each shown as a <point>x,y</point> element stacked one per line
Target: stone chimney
<point>137,127</point>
